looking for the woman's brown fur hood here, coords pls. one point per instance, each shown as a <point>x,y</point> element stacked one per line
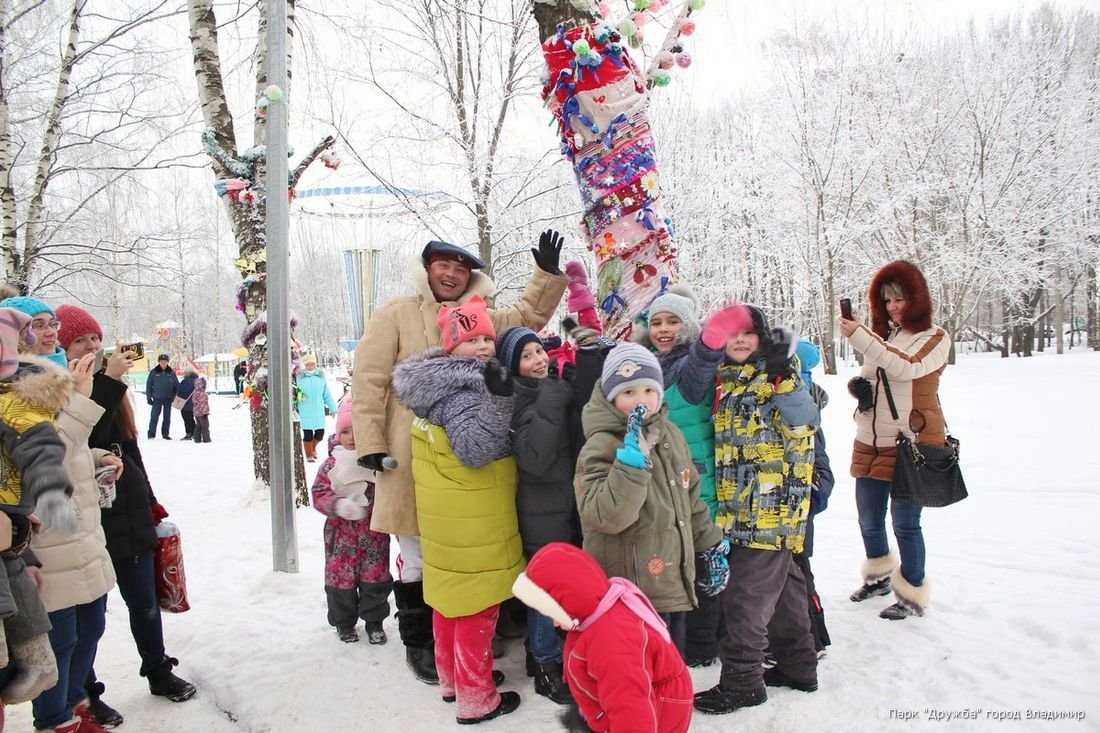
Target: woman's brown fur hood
<point>918,309</point>
<point>41,382</point>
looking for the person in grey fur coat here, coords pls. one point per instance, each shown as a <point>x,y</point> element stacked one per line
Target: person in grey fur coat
<point>465,487</point>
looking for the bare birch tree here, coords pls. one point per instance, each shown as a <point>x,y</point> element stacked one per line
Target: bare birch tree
<point>246,207</point>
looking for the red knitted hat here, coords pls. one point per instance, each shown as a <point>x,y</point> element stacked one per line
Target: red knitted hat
<point>464,322</point>
<point>75,322</point>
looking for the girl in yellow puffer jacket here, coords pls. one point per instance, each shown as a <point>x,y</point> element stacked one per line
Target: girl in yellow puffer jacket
<point>465,482</point>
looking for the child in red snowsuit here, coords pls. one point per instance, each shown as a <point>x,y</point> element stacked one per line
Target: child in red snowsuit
<point>357,559</point>
<point>621,665</point>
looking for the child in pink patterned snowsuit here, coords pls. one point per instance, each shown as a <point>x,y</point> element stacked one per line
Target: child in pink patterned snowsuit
<point>357,560</point>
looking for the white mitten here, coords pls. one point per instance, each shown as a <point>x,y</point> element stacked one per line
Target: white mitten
<point>56,511</point>
<point>347,509</point>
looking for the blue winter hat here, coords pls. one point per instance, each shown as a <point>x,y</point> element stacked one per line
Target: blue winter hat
<point>809,356</point>
<point>26,304</point>
<point>510,346</point>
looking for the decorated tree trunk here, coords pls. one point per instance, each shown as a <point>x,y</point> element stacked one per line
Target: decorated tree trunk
<point>240,177</point>
<point>599,97</point>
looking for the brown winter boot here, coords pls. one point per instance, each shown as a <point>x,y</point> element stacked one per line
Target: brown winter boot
<point>311,450</point>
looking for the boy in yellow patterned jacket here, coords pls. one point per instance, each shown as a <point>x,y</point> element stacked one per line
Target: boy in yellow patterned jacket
<point>764,425</point>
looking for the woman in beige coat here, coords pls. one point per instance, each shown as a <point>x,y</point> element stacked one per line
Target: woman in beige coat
<point>76,570</point>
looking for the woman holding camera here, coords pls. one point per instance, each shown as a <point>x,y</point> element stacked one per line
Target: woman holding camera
<point>903,357</point>
<point>130,522</point>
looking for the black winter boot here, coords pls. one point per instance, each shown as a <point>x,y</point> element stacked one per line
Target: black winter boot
<point>879,587</point>
<point>509,701</point>
<point>775,677</point>
<point>549,684</point>
<point>719,700</point>
<point>104,714</point>
<point>414,625</point>
<point>163,683</point>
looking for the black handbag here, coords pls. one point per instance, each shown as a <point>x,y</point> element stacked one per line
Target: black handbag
<point>925,475</point>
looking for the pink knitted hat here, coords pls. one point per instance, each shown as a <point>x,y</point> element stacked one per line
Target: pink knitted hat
<point>343,415</point>
<point>13,325</point>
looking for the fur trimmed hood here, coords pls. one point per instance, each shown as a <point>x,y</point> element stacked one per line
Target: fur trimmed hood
<point>480,284</point>
<point>918,311</point>
<point>422,381</point>
<point>40,382</point>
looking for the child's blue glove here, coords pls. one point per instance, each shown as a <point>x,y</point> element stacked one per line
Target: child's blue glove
<point>714,569</point>
<point>631,453</point>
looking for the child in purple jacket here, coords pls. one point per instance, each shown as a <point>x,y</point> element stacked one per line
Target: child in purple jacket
<point>357,559</point>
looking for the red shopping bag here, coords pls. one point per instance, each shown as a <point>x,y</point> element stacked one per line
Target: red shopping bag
<point>171,581</point>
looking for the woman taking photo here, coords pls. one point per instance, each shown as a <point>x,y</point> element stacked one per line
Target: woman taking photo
<point>129,523</point>
<point>898,392</point>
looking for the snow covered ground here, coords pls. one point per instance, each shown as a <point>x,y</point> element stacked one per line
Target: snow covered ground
<point>1014,627</point>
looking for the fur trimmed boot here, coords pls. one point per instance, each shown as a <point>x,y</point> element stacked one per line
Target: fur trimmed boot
<point>912,600</point>
<point>876,577</point>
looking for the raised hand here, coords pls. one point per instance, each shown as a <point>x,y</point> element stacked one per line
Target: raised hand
<point>724,325</point>
<point>548,255</point>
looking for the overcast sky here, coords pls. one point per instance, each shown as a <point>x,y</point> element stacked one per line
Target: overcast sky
<point>726,46</point>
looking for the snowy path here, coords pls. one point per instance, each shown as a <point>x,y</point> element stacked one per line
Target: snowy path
<point>1014,625</point>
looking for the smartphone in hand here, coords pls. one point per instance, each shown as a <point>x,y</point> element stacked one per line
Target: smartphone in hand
<point>846,309</point>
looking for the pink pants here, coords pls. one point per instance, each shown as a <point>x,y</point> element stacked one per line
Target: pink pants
<point>464,660</point>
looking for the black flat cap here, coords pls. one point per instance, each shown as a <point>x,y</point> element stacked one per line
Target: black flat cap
<point>450,250</point>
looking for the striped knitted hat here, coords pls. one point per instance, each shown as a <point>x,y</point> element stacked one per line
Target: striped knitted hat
<point>510,346</point>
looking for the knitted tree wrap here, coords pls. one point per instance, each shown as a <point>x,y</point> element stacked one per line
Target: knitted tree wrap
<point>599,99</point>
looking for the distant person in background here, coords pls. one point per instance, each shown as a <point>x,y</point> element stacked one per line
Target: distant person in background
<point>160,390</point>
<point>184,391</point>
<point>238,376</point>
<point>44,326</point>
<point>314,403</point>
<point>200,403</point>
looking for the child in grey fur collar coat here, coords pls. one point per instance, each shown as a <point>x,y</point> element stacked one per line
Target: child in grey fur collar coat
<point>465,481</point>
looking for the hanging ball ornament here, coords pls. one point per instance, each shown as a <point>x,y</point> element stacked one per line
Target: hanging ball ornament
<point>662,78</point>
<point>683,60</point>
<point>642,4</point>
<point>628,28</point>
<point>656,5</point>
<point>698,4</point>
<point>640,18</point>
<point>604,10</point>
<point>274,93</point>
<point>637,40</point>
<point>665,60</point>
<point>687,26</point>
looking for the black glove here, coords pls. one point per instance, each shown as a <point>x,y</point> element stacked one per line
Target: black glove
<point>567,371</point>
<point>861,389</point>
<point>497,379</point>
<point>548,255</point>
<point>779,353</point>
<point>372,461</point>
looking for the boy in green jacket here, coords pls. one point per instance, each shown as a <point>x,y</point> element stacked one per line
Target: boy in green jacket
<point>638,491</point>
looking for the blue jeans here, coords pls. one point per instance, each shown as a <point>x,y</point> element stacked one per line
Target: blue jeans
<point>872,496</point>
<point>137,584</point>
<point>74,638</point>
<point>542,640</point>
<point>154,416</point>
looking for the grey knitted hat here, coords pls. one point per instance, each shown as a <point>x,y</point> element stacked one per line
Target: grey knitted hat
<point>631,365</point>
<point>679,300</point>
